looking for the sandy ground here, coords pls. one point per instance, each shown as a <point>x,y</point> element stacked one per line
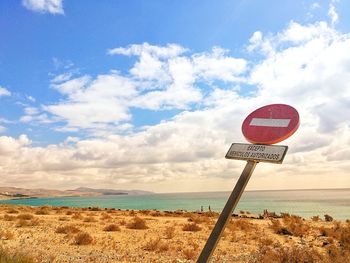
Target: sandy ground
<point>62,234</point>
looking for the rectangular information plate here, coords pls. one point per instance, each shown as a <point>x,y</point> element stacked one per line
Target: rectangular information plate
<point>257,152</point>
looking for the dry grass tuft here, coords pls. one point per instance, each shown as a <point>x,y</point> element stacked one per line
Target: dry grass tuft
<point>281,254</point>
<point>27,223</point>
<point>156,245</point>
<point>340,232</point>
<point>199,219</point>
<point>77,216</point>
<point>90,219</point>
<point>137,223</point>
<point>6,257</point>
<point>169,232</point>
<point>315,218</point>
<point>69,229</point>
<point>292,225</point>
<point>105,216</point>
<point>44,210</point>
<point>83,238</point>
<point>25,217</point>
<point>9,218</point>
<point>12,211</point>
<point>111,227</point>
<point>241,224</point>
<point>190,253</point>
<point>193,227</point>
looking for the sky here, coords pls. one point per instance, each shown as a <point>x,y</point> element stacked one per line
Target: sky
<point>150,94</point>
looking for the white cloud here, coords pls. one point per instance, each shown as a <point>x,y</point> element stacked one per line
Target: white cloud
<point>217,66</point>
<point>4,92</point>
<point>2,129</point>
<point>44,6</point>
<point>171,50</point>
<point>332,13</point>
<point>315,5</point>
<point>306,66</point>
<point>93,103</point>
<point>161,78</point>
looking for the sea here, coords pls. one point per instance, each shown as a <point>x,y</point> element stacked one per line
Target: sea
<point>304,203</point>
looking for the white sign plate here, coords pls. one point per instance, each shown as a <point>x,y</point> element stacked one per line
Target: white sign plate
<point>257,152</point>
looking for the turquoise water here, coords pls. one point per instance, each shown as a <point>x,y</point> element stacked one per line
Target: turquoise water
<point>305,203</point>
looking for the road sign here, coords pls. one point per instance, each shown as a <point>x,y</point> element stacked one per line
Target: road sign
<point>267,125</point>
<point>257,152</point>
<point>270,124</point>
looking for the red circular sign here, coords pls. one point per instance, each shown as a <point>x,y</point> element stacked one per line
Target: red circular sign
<point>270,124</point>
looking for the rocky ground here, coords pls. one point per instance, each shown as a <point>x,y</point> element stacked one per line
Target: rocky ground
<point>62,234</point>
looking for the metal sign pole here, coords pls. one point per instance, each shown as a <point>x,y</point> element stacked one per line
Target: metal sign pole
<point>226,213</point>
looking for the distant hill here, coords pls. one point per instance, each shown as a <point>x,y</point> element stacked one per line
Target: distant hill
<point>112,191</point>
<point>15,192</point>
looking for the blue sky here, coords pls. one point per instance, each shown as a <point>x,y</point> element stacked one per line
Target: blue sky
<point>149,94</point>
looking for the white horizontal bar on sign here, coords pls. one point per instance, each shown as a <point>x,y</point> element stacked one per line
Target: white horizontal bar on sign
<point>269,122</point>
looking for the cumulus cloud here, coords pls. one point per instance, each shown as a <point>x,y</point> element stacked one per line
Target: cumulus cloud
<point>4,92</point>
<point>161,78</point>
<point>44,6</point>
<point>306,66</point>
<point>93,103</point>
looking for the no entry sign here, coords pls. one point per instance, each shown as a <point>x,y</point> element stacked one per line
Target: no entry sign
<point>270,124</point>
<point>267,125</point>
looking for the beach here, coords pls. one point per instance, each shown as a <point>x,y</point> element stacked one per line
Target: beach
<point>64,234</point>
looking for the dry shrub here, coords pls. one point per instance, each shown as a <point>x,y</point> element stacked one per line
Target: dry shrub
<point>315,218</point>
<point>336,254</point>
<point>193,227</point>
<point>105,216</point>
<point>152,244</point>
<point>6,257</point>
<point>63,218</point>
<point>25,223</point>
<point>145,212</point>
<point>281,254</point>
<point>278,228</point>
<point>6,235</point>
<point>190,253</point>
<point>69,229</point>
<point>77,216</point>
<point>25,217</point>
<point>241,224</point>
<point>12,211</point>
<point>122,222</point>
<point>292,225</point>
<point>198,219</point>
<point>43,211</point>
<point>83,238</point>
<point>169,232</point>
<point>328,218</point>
<point>9,218</point>
<point>340,232</point>
<point>90,219</point>
<point>137,223</point>
<point>155,213</point>
<point>68,213</point>
<point>111,227</point>
<point>95,209</point>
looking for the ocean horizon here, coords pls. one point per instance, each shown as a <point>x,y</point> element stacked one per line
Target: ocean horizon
<point>305,203</point>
